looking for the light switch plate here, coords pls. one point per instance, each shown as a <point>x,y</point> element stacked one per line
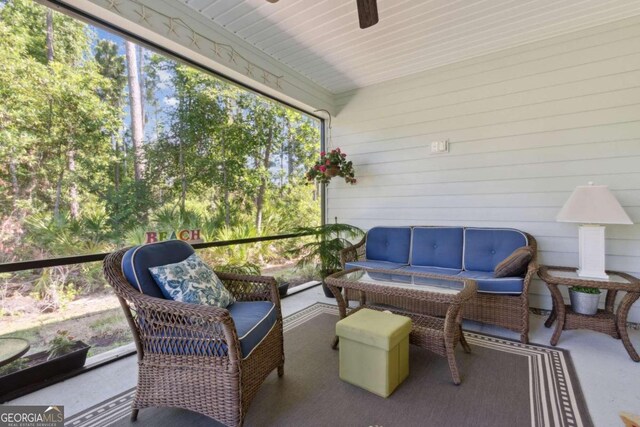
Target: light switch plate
<point>440,147</point>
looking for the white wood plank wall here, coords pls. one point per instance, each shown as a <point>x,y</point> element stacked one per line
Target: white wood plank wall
<point>525,127</point>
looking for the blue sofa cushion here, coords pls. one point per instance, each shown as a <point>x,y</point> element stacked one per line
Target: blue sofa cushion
<point>437,247</point>
<point>137,260</point>
<point>484,248</point>
<point>191,281</point>
<point>381,265</point>
<point>431,270</point>
<point>254,320</point>
<point>390,244</point>
<point>493,285</point>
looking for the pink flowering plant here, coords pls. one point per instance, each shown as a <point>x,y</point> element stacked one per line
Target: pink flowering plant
<point>331,164</point>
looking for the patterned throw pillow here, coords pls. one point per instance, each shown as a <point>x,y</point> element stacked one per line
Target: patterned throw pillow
<point>515,264</point>
<point>192,281</point>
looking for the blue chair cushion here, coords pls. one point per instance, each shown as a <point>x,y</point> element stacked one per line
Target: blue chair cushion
<point>191,281</point>
<point>437,247</point>
<point>137,260</point>
<point>391,244</point>
<point>484,248</point>
<point>380,265</point>
<point>254,320</point>
<point>493,285</point>
<point>432,270</point>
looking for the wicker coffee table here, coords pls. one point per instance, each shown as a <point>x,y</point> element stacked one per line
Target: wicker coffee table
<point>606,321</point>
<point>440,335</point>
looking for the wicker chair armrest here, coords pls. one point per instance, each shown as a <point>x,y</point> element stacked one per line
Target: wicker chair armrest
<point>353,252</point>
<point>533,266</point>
<point>251,288</point>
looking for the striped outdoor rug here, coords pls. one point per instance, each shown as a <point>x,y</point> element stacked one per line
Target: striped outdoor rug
<point>504,383</point>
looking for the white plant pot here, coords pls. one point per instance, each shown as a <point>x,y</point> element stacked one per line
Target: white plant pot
<point>584,303</point>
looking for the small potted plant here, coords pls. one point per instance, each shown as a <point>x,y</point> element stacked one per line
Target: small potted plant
<point>64,355</point>
<point>330,165</point>
<point>584,300</point>
<point>327,242</point>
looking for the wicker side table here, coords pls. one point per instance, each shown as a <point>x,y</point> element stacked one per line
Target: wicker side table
<point>607,321</point>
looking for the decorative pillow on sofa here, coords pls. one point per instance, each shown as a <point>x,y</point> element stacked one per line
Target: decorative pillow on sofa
<point>515,264</point>
<point>191,281</point>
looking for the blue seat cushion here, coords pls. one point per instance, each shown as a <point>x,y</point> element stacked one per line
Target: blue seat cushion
<point>380,265</point>
<point>137,260</point>
<point>484,248</point>
<point>253,321</point>
<point>391,244</point>
<point>493,285</point>
<point>437,247</point>
<point>431,270</point>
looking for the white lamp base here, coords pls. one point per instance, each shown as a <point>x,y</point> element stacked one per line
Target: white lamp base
<point>591,252</point>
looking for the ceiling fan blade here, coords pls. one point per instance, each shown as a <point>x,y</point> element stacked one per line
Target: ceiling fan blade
<point>368,13</point>
<point>272,1</point>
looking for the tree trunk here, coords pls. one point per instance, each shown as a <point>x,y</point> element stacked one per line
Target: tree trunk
<point>183,177</point>
<point>142,85</point>
<point>263,182</point>
<point>56,206</point>
<point>184,107</point>
<point>225,184</point>
<point>50,58</point>
<point>74,206</point>
<point>14,180</point>
<point>281,168</point>
<point>49,42</point>
<point>135,109</point>
<point>116,172</point>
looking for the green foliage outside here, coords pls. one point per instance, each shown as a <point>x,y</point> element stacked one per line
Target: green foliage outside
<point>60,344</point>
<point>75,180</point>
<point>325,245</point>
<point>586,290</point>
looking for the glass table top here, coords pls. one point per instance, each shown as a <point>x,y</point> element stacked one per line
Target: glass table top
<point>11,348</point>
<point>406,281</point>
<point>574,275</point>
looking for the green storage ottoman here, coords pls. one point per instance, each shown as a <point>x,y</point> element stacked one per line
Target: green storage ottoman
<point>374,350</point>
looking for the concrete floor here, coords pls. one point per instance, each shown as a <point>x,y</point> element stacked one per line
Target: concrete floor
<point>610,380</point>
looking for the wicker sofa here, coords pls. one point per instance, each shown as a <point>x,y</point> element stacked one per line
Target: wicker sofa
<point>468,252</point>
<point>206,359</point>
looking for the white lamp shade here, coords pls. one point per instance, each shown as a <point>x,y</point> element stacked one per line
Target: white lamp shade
<point>593,204</point>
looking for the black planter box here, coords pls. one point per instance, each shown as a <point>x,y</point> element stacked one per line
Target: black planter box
<point>282,289</point>
<point>327,291</point>
<point>41,370</point>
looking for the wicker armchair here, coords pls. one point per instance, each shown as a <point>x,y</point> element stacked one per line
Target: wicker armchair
<point>189,355</point>
<point>508,311</point>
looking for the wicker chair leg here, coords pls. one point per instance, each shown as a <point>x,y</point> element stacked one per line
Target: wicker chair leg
<point>334,343</point>
<point>134,415</point>
<point>453,367</point>
<point>463,342</point>
<point>281,370</point>
<point>524,332</point>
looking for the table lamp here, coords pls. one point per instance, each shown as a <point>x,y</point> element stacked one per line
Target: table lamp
<point>590,206</point>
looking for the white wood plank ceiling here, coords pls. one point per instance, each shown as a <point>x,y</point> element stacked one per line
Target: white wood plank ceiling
<point>321,39</point>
